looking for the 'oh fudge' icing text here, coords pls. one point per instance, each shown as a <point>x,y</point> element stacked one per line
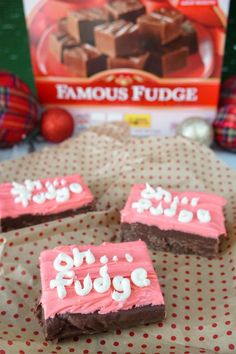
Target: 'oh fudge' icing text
<point>65,277</point>
<point>39,192</point>
<point>192,212</point>
<point>159,194</point>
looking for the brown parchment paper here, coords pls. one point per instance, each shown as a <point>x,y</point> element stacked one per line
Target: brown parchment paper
<point>199,292</point>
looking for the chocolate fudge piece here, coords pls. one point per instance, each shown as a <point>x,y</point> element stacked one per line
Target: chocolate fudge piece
<point>128,10</point>
<point>62,25</point>
<point>40,201</point>
<point>91,289</point>
<point>85,60</point>
<point>58,42</point>
<point>171,241</point>
<point>137,62</point>
<point>80,25</point>
<point>117,39</point>
<point>178,222</point>
<point>160,27</point>
<point>188,37</point>
<point>167,60</point>
<point>69,325</point>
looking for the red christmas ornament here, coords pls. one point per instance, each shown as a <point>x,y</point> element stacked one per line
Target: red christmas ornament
<point>56,125</point>
<point>225,127</point>
<point>19,110</point>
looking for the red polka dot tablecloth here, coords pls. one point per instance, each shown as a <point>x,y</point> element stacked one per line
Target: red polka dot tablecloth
<point>200,293</point>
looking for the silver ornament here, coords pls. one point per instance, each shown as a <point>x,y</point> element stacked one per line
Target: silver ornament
<point>197,129</point>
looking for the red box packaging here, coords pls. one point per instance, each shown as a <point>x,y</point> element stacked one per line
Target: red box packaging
<point>152,63</point>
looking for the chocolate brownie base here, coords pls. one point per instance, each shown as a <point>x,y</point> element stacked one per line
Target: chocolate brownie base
<point>8,224</point>
<point>170,240</point>
<point>73,324</point>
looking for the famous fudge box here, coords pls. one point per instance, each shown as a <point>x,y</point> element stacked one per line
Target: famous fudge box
<point>151,63</point>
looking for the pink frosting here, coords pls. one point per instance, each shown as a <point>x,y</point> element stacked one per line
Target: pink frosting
<point>211,202</point>
<point>94,301</point>
<point>8,208</point>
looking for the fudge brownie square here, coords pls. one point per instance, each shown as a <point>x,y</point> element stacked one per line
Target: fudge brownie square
<point>58,42</point>
<point>91,289</point>
<point>38,201</point>
<point>167,60</point>
<point>128,10</point>
<point>138,62</point>
<point>118,38</point>
<point>170,221</point>
<point>80,25</point>
<point>85,60</point>
<point>160,27</point>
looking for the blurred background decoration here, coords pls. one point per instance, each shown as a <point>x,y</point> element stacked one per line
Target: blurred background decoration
<point>15,58</point>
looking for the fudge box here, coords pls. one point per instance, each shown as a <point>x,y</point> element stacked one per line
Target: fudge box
<point>151,63</point>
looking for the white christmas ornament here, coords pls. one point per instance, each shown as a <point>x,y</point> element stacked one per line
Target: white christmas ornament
<point>197,129</point>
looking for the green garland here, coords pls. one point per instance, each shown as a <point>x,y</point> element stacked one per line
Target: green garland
<point>229,66</point>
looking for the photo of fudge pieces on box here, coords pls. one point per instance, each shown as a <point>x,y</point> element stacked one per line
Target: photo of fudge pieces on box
<point>122,35</point>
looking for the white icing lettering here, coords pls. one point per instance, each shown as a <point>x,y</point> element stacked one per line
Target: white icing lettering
<point>176,200</point>
<point>158,210</point>
<point>38,185</point>
<point>62,194</point>
<point>14,191</point>
<point>39,198</point>
<point>63,262</point>
<point>63,279</point>
<point>75,188</point>
<point>170,212</point>
<point>55,183</point>
<point>124,289</point>
<point>184,200</point>
<point>48,184</point>
<point>66,276</point>
<point>159,193</point>
<point>185,216</point>
<point>203,215</point>
<point>29,185</point>
<point>139,277</point>
<point>103,259</point>
<point>148,192</point>
<point>194,201</point>
<point>87,286</point>
<point>141,205</point>
<point>128,257</point>
<point>22,194</point>
<point>115,258</point>
<point>90,259</point>
<point>50,194</point>
<point>101,285</point>
<point>167,196</point>
<point>17,185</point>
<point>63,182</point>
<point>80,256</point>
